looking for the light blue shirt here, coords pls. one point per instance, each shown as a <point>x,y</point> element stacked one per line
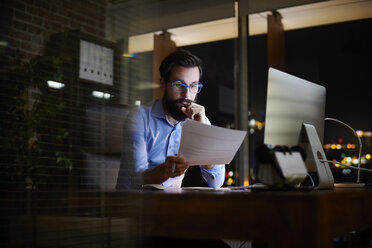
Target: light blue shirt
<point>148,138</point>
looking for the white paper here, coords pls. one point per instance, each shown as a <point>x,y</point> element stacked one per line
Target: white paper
<point>203,144</point>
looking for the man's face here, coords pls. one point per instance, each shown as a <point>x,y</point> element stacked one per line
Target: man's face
<point>175,99</point>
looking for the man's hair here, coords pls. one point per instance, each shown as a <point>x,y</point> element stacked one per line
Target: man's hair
<point>181,57</point>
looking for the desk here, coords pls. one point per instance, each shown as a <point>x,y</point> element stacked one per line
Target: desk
<point>277,218</point>
<point>280,219</point>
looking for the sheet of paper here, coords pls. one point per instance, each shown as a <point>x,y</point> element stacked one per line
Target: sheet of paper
<point>208,144</point>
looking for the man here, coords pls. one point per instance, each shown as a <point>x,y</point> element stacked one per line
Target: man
<point>152,133</point>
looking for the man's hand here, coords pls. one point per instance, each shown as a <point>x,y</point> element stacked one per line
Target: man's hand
<point>176,166</point>
<point>195,112</point>
<point>162,172</point>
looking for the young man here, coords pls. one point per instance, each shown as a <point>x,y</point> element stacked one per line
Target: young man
<point>152,133</point>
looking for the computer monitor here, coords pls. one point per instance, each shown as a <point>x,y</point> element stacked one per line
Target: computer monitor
<point>291,103</point>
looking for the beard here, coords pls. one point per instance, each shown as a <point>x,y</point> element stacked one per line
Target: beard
<point>173,107</point>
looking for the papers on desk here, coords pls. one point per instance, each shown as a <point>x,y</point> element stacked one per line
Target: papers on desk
<point>203,144</point>
<point>205,188</point>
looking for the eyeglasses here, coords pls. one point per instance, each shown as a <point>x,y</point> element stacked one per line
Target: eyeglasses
<point>181,87</point>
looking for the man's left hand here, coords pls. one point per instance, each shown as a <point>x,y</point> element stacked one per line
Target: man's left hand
<point>195,112</point>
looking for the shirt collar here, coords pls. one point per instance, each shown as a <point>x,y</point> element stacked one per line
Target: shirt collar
<point>158,109</point>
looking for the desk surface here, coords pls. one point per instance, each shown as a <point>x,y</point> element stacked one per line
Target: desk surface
<point>278,218</point>
<point>281,219</point>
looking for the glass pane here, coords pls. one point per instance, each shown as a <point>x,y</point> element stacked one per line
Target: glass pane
<point>73,73</point>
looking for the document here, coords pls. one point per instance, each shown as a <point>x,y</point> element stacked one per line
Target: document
<point>203,144</point>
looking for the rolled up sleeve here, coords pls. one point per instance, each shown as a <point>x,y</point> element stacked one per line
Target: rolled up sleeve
<point>215,177</point>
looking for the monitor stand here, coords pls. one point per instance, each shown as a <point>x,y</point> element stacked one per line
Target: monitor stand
<point>309,140</point>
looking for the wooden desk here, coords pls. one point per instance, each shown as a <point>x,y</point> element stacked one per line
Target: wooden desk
<point>277,218</point>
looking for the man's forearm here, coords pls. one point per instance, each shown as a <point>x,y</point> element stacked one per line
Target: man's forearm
<point>214,176</point>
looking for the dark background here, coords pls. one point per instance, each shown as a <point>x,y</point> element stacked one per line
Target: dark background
<point>337,56</point>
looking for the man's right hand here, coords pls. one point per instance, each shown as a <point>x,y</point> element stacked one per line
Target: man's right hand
<point>180,166</point>
<point>162,172</point>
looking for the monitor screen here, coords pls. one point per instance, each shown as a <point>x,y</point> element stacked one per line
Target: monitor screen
<point>292,101</point>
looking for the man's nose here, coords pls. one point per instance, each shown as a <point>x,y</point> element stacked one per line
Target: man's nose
<point>186,93</point>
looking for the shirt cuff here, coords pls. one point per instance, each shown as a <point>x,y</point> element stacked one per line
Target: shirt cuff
<point>215,176</point>
<point>215,171</point>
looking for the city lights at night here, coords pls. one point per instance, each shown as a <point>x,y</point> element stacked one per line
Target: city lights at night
<point>338,150</point>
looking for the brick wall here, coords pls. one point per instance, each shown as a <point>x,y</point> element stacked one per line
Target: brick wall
<point>27,24</point>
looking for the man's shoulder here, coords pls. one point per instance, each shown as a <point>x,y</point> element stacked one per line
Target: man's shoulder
<point>143,108</point>
<point>147,110</point>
